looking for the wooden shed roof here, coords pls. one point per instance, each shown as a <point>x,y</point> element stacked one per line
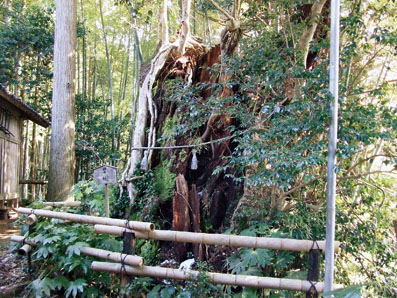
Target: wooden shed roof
<point>26,111</point>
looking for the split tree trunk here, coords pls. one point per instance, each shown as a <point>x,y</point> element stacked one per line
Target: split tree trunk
<point>189,61</point>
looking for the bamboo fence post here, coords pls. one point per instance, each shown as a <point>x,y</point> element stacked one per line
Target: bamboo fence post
<point>131,260</point>
<point>107,212</point>
<point>31,219</point>
<point>218,239</point>
<point>313,271</point>
<point>137,225</point>
<point>218,278</point>
<point>129,242</point>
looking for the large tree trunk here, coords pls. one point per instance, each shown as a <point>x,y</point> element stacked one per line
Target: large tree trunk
<point>62,155</point>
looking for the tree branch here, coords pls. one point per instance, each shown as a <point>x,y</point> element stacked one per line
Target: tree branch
<point>338,178</point>
<point>164,23</point>
<point>185,24</point>
<point>307,35</point>
<point>218,7</point>
<point>364,160</point>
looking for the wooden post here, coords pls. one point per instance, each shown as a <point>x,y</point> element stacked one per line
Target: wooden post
<point>107,200</point>
<point>129,242</point>
<point>313,271</point>
<point>106,175</point>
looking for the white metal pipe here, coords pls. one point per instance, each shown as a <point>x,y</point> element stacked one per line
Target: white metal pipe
<point>332,143</point>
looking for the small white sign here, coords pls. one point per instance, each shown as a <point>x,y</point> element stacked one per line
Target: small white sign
<point>105,175</point>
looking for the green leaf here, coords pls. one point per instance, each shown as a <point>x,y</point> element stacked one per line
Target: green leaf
<point>349,292</point>
<point>75,248</point>
<point>76,287</point>
<point>249,293</point>
<point>154,293</point>
<point>61,282</point>
<point>43,286</point>
<point>167,292</point>
<point>50,240</point>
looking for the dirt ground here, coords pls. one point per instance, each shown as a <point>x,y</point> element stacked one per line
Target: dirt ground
<point>13,278</point>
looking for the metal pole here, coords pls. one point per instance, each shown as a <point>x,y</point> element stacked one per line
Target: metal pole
<point>333,129</point>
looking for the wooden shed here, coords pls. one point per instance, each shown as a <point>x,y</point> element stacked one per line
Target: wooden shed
<point>13,112</point>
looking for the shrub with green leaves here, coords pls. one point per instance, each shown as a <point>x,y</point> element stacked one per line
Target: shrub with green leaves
<point>58,266</point>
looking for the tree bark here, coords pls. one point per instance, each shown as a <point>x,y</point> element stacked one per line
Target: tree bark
<point>307,35</point>
<point>62,155</point>
<point>109,72</point>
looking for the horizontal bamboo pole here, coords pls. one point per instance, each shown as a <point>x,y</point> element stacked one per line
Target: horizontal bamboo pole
<point>136,225</point>
<point>132,260</point>
<point>20,239</point>
<point>65,204</point>
<point>218,278</point>
<point>219,239</point>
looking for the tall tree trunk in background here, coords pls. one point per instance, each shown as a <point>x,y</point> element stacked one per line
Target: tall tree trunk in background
<point>62,155</point>
<point>84,57</point>
<point>25,167</point>
<point>109,72</point>
<point>33,159</point>
<point>35,151</point>
<point>7,6</point>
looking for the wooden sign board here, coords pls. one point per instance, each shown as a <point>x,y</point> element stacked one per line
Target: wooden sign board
<point>105,175</point>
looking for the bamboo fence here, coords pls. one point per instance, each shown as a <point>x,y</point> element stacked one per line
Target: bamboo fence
<point>218,278</point>
<point>132,260</point>
<point>219,239</point>
<point>137,225</point>
<point>27,244</point>
<point>22,239</point>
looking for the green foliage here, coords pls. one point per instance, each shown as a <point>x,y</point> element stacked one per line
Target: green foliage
<point>349,292</point>
<point>121,204</point>
<point>138,286</point>
<point>272,263</point>
<point>200,287</point>
<point>91,195</point>
<point>59,265</point>
<point>29,38</point>
<point>164,180</point>
<point>364,225</point>
<point>93,134</point>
